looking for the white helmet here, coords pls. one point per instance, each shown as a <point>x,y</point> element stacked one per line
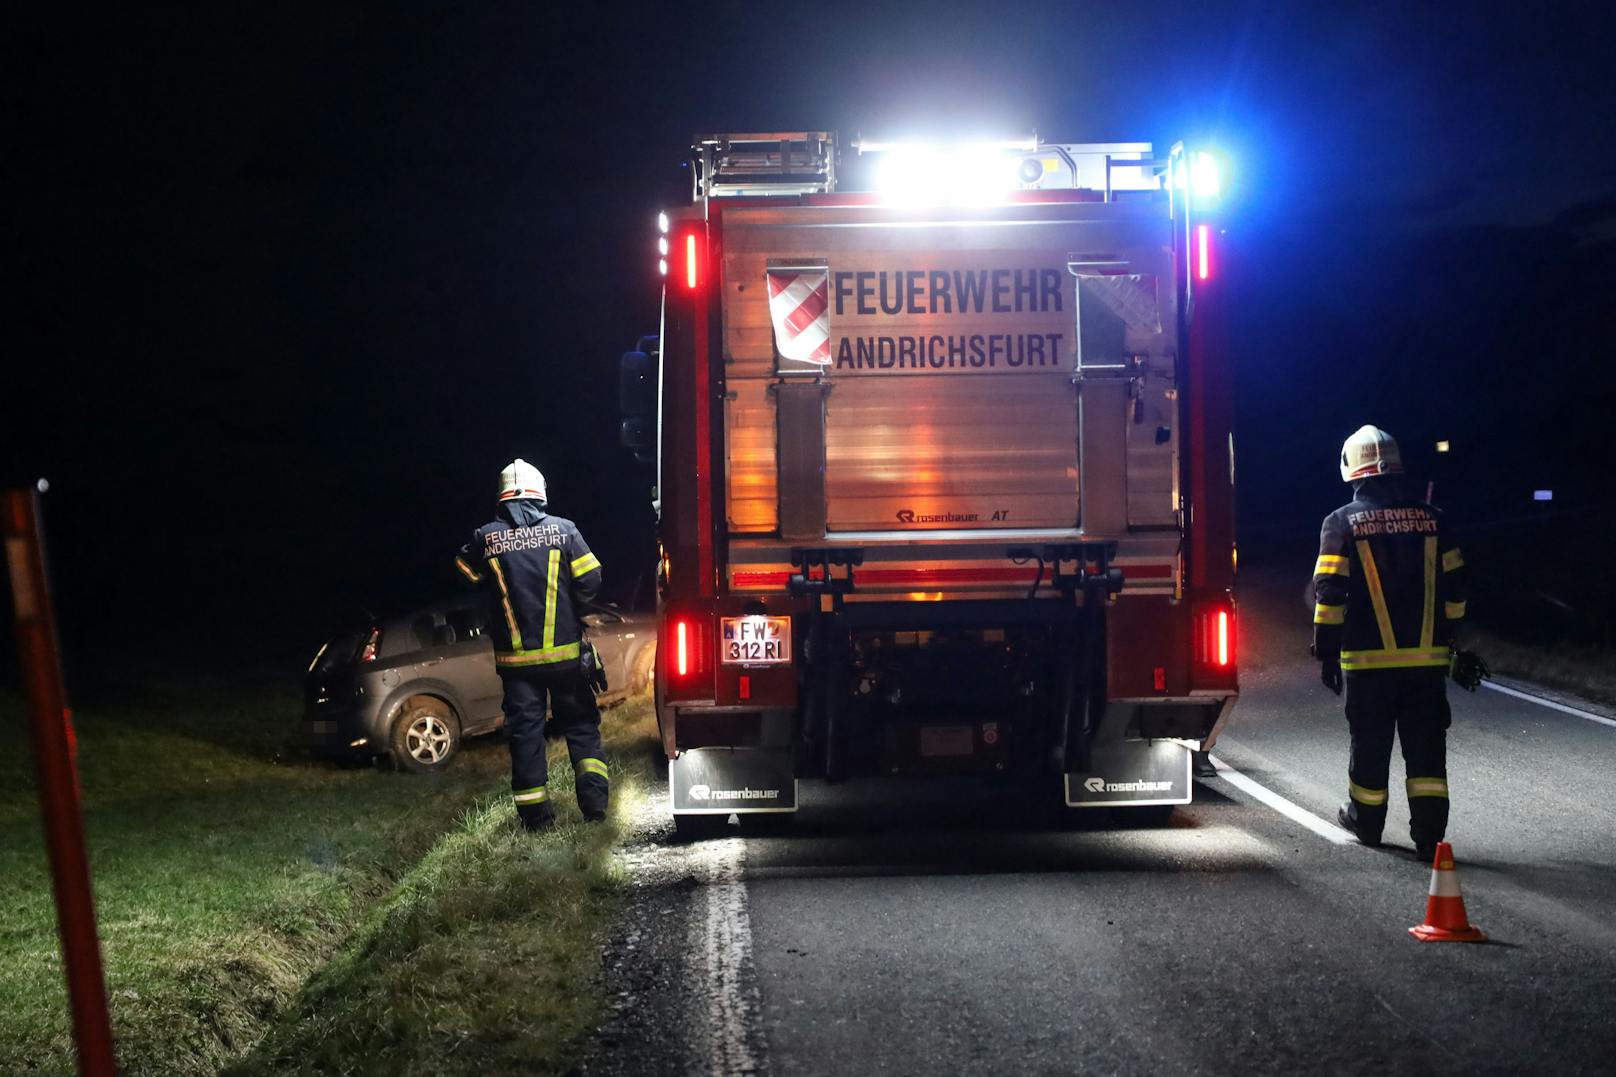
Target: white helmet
<point>521,479</point>
<point>1370,452</point>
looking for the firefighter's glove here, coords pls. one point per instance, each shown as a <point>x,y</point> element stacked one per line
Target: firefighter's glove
<point>1330,674</point>
<point>1468,670</point>
<point>594,668</point>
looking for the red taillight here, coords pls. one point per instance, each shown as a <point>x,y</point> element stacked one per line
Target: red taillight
<point>1214,637</point>
<point>1203,252</point>
<point>690,652</point>
<point>692,264</point>
<point>372,644</point>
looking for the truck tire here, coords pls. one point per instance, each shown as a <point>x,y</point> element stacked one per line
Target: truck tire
<point>1144,817</point>
<point>425,735</point>
<point>765,824</point>
<point>693,828</point>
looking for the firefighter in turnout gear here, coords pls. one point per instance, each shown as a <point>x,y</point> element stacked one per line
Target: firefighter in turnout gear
<point>1389,596</point>
<point>538,575</point>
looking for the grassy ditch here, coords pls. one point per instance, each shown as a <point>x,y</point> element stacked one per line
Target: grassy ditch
<point>486,958</point>
<point>227,873</point>
<point>1586,670</point>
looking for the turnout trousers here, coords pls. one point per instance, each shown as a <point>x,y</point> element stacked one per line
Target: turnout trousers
<point>573,715</point>
<point>1413,705</point>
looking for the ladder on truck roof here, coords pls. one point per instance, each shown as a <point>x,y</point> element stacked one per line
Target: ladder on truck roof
<point>770,163</point>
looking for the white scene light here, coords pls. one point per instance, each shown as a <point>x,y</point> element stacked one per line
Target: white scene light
<point>926,175</point>
<point>1202,173</point>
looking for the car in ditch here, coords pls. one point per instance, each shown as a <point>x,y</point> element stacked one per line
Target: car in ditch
<point>412,687</point>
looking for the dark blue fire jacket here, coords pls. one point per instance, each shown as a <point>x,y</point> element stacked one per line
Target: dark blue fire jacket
<point>539,575</point>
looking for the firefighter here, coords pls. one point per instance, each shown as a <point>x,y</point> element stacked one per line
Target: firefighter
<point>539,574</point>
<point>1389,596</point>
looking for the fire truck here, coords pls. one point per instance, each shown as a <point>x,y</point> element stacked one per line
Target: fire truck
<point>944,470</point>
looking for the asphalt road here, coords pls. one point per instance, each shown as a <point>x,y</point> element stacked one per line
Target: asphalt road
<point>917,928</point>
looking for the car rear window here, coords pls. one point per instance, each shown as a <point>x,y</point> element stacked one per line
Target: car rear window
<point>468,622</point>
<point>339,651</point>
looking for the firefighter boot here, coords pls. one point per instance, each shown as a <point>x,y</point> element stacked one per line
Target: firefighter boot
<point>594,788</point>
<point>537,817</point>
<point>1348,817</point>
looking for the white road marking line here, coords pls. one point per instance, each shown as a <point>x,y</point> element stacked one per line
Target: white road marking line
<point>1549,703</point>
<point>1290,810</point>
<point>726,949</point>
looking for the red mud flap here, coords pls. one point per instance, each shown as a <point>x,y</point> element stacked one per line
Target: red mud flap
<point>1132,773</point>
<point>718,781</point>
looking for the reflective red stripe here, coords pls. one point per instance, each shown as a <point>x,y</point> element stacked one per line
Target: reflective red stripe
<point>921,577</point>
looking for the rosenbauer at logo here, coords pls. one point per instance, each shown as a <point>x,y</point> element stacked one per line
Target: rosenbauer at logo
<point>1100,785</point>
<point>910,516</point>
<point>707,792</point>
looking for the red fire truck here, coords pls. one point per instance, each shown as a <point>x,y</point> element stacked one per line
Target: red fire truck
<point>945,469</point>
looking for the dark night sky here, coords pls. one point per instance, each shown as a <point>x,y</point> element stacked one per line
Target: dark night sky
<point>289,287</point>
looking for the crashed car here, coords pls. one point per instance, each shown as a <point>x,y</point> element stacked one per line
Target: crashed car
<point>412,687</point>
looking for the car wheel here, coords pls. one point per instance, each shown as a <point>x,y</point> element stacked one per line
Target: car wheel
<point>426,735</point>
<point>644,669</point>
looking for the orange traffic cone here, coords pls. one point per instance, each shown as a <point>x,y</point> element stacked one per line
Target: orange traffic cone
<point>1445,919</point>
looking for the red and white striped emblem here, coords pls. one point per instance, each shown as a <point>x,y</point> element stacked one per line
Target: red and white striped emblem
<point>799,306</point>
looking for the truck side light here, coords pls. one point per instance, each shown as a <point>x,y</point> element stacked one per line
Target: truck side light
<point>1203,252</point>
<point>681,649</point>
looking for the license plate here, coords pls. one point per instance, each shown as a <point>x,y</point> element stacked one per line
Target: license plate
<point>947,741</point>
<point>755,640</point>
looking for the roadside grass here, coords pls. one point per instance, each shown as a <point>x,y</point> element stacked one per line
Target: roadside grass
<point>1586,670</point>
<point>227,870</point>
<point>486,957</point>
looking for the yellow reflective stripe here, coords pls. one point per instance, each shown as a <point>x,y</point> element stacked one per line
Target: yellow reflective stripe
<point>541,657</point>
<point>1394,658</point>
<point>1371,797</point>
<point>1329,615</point>
<point>1454,611</point>
<point>1331,564</point>
<point>537,795</point>
<point>505,600</point>
<point>1377,597</point>
<point>587,563</point>
<point>550,598</point>
<point>1427,787</point>
<point>1428,611</point>
<point>593,766</point>
<point>464,566</point>
<point>1451,560</point>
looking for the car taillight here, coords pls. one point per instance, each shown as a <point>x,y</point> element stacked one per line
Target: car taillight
<point>373,644</point>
